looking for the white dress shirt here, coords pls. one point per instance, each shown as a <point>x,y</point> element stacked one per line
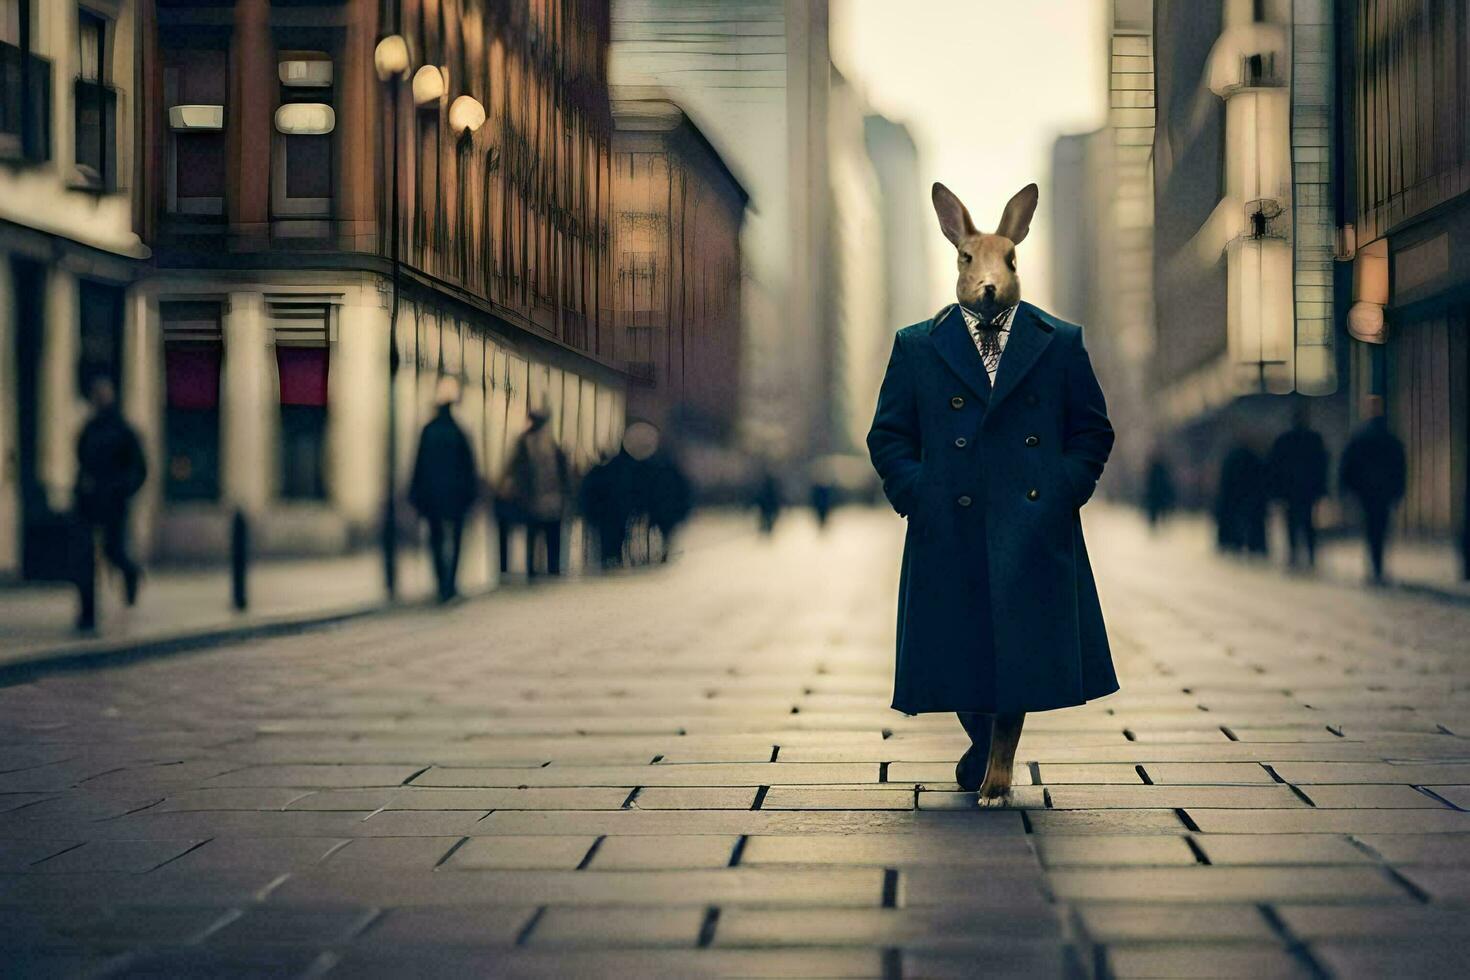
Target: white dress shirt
<point>1003,324</point>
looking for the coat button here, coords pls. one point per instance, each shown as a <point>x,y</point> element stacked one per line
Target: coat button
<point>964,501</point>
<point>956,402</point>
<point>1033,494</point>
<point>961,442</point>
<point>1032,441</point>
<point>1031,398</point>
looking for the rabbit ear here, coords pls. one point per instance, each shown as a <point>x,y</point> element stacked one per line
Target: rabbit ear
<point>954,220</point>
<point>1016,221</point>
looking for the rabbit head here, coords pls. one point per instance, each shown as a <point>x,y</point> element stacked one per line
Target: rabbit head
<point>987,281</point>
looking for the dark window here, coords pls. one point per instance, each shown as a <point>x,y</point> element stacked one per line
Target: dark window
<point>302,356</point>
<point>304,161</point>
<point>25,88</point>
<point>196,78</point>
<point>192,353</point>
<point>100,313</point>
<point>95,104</point>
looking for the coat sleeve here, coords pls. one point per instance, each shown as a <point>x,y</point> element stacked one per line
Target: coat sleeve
<point>1088,438</point>
<point>894,440</point>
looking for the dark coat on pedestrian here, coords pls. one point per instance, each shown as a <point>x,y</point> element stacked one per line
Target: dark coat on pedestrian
<point>1298,466</point>
<point>111,467</point>
<point>997,610</point>
<point>445,483</point>
<point>1373,466</point>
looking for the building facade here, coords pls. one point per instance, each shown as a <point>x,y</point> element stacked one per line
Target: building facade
<point>277,161</point>
<point>1244,228</point>
<point>677,218</point>
<point>1403,203</point>
<point>69,254</point>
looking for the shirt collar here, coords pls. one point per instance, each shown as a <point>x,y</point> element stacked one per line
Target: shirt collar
<point>1002,321</point>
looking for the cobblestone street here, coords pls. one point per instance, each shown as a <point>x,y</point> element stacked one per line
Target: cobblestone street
<point>694,771</point>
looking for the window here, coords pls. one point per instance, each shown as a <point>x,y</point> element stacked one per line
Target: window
<point>192,352</point>
<point>95,104</point>
<point>25,88</point>
<point>302,180</point>
<point>195,82</point>
<point>302,351</point>
<point>100,311</point>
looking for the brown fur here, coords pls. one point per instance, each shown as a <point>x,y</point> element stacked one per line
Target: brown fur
<point>986,261</point>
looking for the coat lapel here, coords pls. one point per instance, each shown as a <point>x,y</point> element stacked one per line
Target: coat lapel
<point>1029,337</point>
<point>952,340</point>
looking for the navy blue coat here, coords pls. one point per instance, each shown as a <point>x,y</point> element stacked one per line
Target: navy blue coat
<point>997,606</point>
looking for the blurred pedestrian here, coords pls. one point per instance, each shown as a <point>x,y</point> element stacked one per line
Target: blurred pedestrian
<point>541,487</point>
<point>1374,470</point>
<point>444,487</point>
<point>767,500</point>
<point>670,499</point>
<point>111,468</point>
<point>1240,502</point>
<point>606,500</point>
<point>821,497</point>
<point>1158,491</point>
<point>1297,468</point>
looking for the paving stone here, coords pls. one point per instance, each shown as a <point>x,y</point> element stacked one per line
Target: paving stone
<point>19,855</point>
<point>1369,797</point>
<point>107,927</point>
<point>1019,798</point>
<point>633,821</point>
<point>232,962</point>
<point>1104,821</point>
<point>419,823</point>
<point>135,856</point>
<point>1318,821</point>
<point>1053,773</point>
<point>695,798</point>
<point>833,887</point>
<point>347,800</point>
<point>1011,888</point>
<point>315,777</point>
<point>1128,797</point>
<point>1212,884</point>
<point>1099,850</point>
<point>612,928</point>
<point>907,927</point>
<point>274,926</point>
<point>269,854</point>
<point>428,928</point>
<point>889,851</point>
<point>694,774</point>
<point>1459,795</point>
<point>559,964</point>
<point>1205,960</point>
<point>1207,773</point>
<point>802,798</point>
<point>1133,921</point>
<point>1313,923</point>
<point>1418,957</point>
<point>1436,849</point>
<point>941,774</point>
<point>650,853</point>
<point>1441,884</point>
<point>1226,849</point>
<point>520,852</point>
<point>393,852</point>
<point>1304,773</point>
<point>250,798</point>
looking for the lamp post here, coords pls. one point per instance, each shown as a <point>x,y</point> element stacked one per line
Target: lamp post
<point>390,59</point>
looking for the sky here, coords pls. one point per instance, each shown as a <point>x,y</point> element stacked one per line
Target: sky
<point>985,87</point>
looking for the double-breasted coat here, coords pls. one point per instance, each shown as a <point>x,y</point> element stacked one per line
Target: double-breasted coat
<point>998,610</point>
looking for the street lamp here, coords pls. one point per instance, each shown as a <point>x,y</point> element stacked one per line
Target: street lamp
<point>390,59</point>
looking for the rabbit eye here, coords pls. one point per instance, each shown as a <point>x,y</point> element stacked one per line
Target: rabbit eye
<point>965,257</point>
<point>1011,260</point>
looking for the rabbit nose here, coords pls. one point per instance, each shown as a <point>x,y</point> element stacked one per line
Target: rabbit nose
<point>989,289</point>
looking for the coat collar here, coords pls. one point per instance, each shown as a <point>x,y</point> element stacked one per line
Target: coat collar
<point>953,341</point>
<point>1030,333</point>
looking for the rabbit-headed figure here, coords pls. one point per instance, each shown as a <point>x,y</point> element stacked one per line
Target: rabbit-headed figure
<point>990,434</point>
